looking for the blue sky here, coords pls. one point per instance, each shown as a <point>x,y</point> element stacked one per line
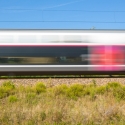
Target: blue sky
<point>62,14</point>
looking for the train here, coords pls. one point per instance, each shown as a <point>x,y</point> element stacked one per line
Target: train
<point>57,52</point>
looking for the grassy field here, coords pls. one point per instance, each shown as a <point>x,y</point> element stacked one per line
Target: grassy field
<point>75,104</point>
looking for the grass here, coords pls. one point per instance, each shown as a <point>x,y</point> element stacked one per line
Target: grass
<point>75,104</point>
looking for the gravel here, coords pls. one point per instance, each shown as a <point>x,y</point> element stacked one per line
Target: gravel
<point>56,81</point>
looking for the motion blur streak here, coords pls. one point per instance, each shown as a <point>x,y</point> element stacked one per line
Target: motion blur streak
<point>62,52</point>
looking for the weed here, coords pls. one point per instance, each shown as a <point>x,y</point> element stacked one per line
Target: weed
<point>43,116</point>
<point>101,90</point>
<point>119,93</point>
<point>68,105</point>
<point>60,89</point>
<point>40,88</point>
<point>75,91</point>
<point>12,98</point>
<point>31,95</point>
<point>113,85</point>
<point>94,82</point>
<point>8,84</point>
<point>3,93</point>
<point>6,89</point>
<point>117,90</point>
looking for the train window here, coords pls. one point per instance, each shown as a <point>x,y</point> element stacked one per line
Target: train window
<point>27,38</point>
<point>40,60</point>
<point>6,39</point>
<point>44,55</point>
<point>27,60</point>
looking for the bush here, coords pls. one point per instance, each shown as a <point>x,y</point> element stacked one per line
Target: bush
<point>6,89</point>
<point>40,88</point>
<point>60,89</point>
<point>75,91</point>
<point>8,84</point>
<point>101,90</point>
<point>119,93</point>
<point>113,85</point>
<point>12,98</point>
<point>117,90</point>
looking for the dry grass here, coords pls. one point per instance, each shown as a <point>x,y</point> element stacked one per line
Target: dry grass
<point>62,105</point>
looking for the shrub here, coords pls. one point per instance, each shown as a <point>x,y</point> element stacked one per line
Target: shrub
<point>101,90</point>
<point>117,90</point>
<point>60,89</point>
<point>40,87</point>
<point>12,98</point>
<point>6,89</point>
<point>113,85</point>
<point>75,91</point>
<point>119,93</point>
<point>89,89</point>
<point>8,84</point>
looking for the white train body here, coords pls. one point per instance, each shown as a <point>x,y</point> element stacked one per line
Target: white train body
<point>62,52</point>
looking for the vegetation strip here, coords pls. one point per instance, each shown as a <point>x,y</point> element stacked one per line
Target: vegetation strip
<point>75,104</point>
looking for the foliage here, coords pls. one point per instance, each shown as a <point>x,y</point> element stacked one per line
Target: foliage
<point>6,89</point>
<point>40,88</point>
<point>75,91</point>
<point>101,90</point>
<point>76,104</point>
<point>60,89</point>
<point>118,90</point>
<point>12,98</point>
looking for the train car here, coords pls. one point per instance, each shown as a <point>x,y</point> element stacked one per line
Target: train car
<point>43,52</point>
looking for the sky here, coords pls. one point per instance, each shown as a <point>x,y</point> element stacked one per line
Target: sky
<point>62,14</point>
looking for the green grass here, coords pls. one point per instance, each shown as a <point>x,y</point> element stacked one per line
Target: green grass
<point>6,89</point>
<point>12,98</point>
<point>74,104</point>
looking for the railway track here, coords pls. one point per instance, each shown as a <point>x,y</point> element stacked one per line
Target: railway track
<point>62,76</point>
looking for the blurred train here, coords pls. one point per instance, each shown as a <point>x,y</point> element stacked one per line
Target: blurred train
<point>38,52</point>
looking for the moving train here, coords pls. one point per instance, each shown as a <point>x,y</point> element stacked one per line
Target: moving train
<point>43,52</point>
